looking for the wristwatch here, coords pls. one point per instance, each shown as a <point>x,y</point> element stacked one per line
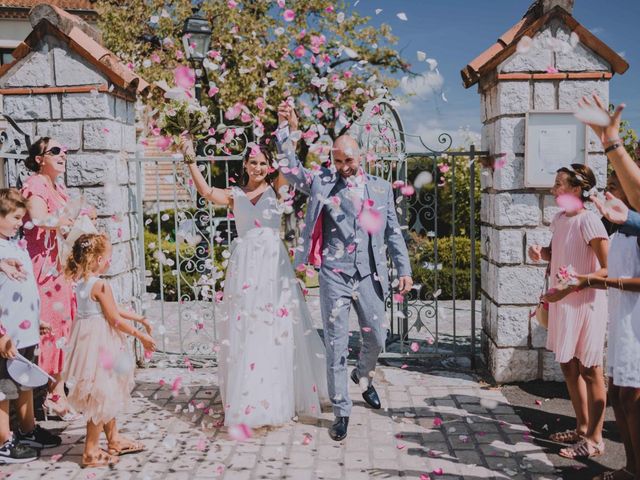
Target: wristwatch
<point>189,159</point>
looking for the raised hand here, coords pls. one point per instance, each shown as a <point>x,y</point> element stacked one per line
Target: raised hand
<point>186,146</point>
<point>287,114</point>
<point>610,132</point>
<point>613,209</point>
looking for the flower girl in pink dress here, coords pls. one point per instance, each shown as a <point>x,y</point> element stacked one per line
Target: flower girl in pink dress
<point>99,366</point>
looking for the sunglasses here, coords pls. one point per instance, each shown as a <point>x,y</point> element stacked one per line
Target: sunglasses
<point>53,151</point>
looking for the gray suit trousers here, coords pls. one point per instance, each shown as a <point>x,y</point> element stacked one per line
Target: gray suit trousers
<point>337,293</point>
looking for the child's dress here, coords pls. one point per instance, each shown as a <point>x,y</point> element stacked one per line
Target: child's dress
<point>577,323</point>
<point>623,355</point>
<point>99,365</point>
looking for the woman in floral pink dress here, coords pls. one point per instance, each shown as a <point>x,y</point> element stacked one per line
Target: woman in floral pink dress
<point>47,198</point>
<point>578,317</point>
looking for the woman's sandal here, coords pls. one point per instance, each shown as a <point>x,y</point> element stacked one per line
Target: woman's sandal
<point>125,446</point>
<point>583,449</point>
<point>102,459</point>
<point>620,474</point>
<point>568,436</point>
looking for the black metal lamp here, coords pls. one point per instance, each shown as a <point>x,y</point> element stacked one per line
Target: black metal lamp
<point>196,37</point>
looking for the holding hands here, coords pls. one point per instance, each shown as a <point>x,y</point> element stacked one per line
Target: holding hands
<point>287,115</point>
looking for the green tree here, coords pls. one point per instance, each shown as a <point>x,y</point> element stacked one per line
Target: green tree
<point>320,52</point>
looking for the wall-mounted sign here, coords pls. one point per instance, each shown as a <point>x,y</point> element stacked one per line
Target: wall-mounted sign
<point>552,140</point>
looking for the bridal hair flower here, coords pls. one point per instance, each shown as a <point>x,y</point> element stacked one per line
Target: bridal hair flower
<point>589,193</point>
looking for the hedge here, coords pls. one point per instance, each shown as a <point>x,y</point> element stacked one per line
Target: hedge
<point>422,253</point>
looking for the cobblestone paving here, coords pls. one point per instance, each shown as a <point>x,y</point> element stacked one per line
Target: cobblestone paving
<point>440,425</point>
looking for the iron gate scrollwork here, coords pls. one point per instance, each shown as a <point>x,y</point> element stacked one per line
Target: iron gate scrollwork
<point>437,319</point>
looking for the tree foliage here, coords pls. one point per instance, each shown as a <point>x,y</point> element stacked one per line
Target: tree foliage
<point>327,57</point>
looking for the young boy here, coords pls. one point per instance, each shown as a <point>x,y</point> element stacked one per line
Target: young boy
<point>19,332</point>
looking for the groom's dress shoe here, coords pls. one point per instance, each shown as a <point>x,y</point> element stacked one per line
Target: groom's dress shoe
<point>370,395</point>
<point>338,430</point>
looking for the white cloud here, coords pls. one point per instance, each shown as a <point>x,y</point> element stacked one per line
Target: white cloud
<point>424,85</point>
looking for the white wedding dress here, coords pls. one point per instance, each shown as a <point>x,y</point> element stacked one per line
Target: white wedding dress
<point>271,360</point>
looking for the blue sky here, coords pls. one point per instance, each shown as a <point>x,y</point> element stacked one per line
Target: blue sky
<point>454,32</point>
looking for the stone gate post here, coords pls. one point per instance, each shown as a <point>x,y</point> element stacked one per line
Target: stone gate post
<point>513,216</point>
<point>65,84</point>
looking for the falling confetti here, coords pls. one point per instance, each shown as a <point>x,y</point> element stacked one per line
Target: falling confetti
<point>402,16</point>
<point>592,115</point>
<point>569,203</point>
<point>240,432</point>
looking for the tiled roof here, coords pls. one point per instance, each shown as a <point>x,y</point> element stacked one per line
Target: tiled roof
<point>83,40</point>
<point>532,23</point>
<point>65,4</point>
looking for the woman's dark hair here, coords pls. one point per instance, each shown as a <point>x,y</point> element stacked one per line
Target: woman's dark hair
<point>580,176</point>
<point>268,154</point>
<point>35,150</point>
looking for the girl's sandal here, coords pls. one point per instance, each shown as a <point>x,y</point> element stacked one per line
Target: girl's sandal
<point>621,474</point>
<point>568,436</point>
<point>102,459</point>
<point>583,449</point>
<point>125,446</point>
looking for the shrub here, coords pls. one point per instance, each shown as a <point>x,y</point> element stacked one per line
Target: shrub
<point>432,276</point>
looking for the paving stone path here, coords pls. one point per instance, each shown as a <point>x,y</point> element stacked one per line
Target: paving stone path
<point>437,425</point>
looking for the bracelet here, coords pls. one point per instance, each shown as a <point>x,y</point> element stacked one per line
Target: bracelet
<point>611,148</point>
<point>189,159</point>
<point>612,140</point>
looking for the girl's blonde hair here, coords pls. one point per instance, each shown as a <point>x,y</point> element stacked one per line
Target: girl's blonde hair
<point>84,254</point>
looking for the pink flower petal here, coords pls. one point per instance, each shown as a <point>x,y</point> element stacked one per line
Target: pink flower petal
<point>289,15</point>
<point>240,432</point>
<point>371,220</point>
<point>414,347</point>
<point>437,422</point>
<point>569,203</point>
<point>299,51</point>
<point>306,439</point>
<point>163,142</point>
<point>184,77</point>
<point>24,325</point>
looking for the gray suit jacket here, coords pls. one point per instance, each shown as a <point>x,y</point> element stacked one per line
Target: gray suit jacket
<point>318,186</point>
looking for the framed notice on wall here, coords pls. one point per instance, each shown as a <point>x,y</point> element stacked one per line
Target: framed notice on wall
<point>552,140</point>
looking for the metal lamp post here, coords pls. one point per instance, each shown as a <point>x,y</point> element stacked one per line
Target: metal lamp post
<point>196,39</point>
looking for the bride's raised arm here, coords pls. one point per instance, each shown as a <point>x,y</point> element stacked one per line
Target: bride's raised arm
<point>219,196</point>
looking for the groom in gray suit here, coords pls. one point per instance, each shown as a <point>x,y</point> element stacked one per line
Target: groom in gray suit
<point>349,226</point>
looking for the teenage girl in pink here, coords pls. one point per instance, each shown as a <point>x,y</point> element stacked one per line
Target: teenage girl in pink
<point>577,316</point>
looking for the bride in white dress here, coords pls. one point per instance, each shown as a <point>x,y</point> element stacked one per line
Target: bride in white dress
<point>271,359</point>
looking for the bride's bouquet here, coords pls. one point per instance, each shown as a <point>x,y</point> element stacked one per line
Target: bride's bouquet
<point>179,118</point>
<point>182,114</point>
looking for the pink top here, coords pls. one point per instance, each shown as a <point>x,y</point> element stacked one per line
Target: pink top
<point>57,303</point>
<point>578,322</point>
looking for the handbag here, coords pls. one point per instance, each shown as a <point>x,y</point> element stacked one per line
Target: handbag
<point>542,310</point>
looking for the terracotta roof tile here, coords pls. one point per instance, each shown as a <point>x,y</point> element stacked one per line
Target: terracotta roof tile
<point>66,4</point>
<point>531,24</point>
<point>83,40</point>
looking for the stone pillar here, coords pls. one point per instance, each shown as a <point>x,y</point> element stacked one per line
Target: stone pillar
<point>514,217</point>
<point>54,91</point>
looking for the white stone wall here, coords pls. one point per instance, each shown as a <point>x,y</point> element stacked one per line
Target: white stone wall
<point>514,217</point>
<point>98,130</point>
